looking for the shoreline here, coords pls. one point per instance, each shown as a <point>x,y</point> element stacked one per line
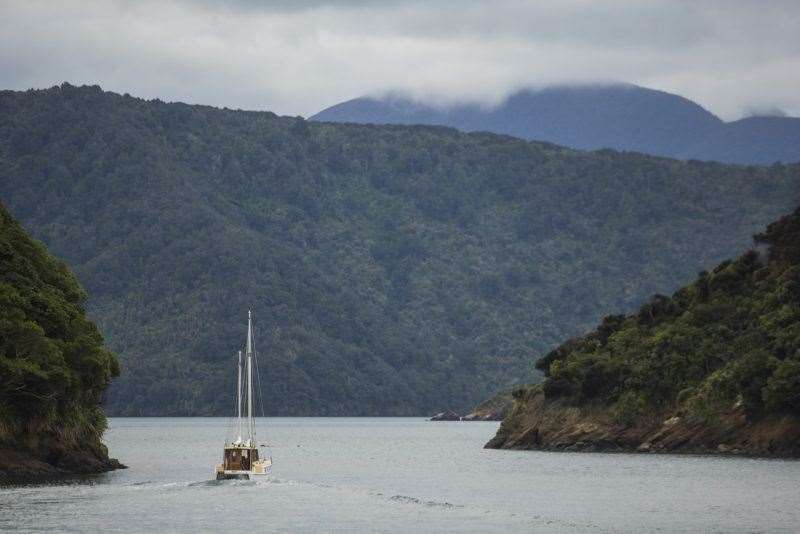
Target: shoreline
<point>536,423</point>
<point>21,468</point>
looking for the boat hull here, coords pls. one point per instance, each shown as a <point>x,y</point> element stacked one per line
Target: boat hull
<point>233,476</point>
<point>221,475</point>
<point>260,470</point>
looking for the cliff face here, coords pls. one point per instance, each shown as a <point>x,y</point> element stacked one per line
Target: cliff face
<point>48,457</point>
<point>493,409</point>
<point>53,366</point>
<point>536,423</point>
<point>714,368</point>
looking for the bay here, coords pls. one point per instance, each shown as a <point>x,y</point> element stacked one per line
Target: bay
<point>400,475</point>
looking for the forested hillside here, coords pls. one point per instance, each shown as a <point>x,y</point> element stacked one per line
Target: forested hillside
<point>617,116</point>
<point>390,269</point>
<point>53,365</point>
<point>714,367</point>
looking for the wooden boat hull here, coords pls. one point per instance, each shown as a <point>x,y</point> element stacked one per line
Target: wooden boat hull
<point>259,469</point>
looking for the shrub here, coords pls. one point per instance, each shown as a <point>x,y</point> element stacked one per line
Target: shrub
<point>782,392</point>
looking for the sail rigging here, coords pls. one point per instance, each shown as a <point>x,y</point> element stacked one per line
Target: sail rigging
<point>239,400</point>
<point>244,382</point>
<point>251,429</point>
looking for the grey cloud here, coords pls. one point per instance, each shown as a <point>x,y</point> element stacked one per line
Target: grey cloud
<point>765,111</point>
<point>297,57</point>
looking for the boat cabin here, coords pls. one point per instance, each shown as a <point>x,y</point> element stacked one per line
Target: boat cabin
<point>239,458</point>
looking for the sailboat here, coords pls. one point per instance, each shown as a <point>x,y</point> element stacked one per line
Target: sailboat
<point>240,458</point>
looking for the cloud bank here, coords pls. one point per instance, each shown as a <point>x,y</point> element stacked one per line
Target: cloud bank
<point>298,57</point>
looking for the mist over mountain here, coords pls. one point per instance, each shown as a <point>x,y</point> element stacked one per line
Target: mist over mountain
<point>617,116</point>
<point>392,270</point>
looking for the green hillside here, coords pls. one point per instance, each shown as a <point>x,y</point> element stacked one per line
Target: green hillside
<point>53,365</point>
<point>719,360</point>
<point>390,269</point>
<point>734,333</point>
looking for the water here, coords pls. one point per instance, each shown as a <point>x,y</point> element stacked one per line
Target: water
<point>401,475</point>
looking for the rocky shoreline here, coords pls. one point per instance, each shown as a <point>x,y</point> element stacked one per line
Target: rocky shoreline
<point>476,415</point>
<point>493,409</point>
<point>20,466</point>
<point>536,423</point>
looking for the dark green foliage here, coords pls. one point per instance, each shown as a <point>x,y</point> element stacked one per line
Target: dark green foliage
<point>782,392</point>
<point>392,270</point>
<point>53,366</point>
<point>731,337</point>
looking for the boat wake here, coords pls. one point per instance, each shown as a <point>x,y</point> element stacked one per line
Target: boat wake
<point>405,499</point>
<point>213,483</point>
<point>532,520</point>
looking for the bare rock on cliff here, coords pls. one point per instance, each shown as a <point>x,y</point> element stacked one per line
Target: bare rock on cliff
<point>541,424</point>
<point>447,415</point>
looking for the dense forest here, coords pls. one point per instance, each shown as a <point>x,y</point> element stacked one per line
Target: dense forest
<point>721,356</point>
<point>391,269</point>
<point>618,116</point>
<point>53,364</point>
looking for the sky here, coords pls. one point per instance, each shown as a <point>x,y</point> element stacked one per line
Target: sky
<point>734,57</point>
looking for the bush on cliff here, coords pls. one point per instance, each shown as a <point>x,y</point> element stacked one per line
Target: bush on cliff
<point>732,337</point>
<point>53,365</point>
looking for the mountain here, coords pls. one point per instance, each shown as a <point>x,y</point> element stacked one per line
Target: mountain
<point>754,140</point>
<point>713,368</point>
<point>53,366</point>
<point>392,270</point>
<point>617,116</point>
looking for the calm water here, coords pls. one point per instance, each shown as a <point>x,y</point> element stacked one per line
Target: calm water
<point>402,475</point>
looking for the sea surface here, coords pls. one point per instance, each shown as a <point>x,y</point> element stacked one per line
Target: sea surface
<point>400,475</point>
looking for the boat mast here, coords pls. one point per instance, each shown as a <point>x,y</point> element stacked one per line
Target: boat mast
<point>250,427</point>
<point>239,399</point>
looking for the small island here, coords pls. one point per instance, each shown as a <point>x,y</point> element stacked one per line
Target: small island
<point>713,369</point>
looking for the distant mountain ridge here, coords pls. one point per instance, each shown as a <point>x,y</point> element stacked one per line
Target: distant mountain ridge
<point>618,116</point>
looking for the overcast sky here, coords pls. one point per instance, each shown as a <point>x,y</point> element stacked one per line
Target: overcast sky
<point>734,57</point>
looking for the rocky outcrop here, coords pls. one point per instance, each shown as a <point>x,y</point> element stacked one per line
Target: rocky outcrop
<point>493,409</point>
<point>447,415</point>
<point>541,424</point>
<point>489,415</point>
<point>54,461</point>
